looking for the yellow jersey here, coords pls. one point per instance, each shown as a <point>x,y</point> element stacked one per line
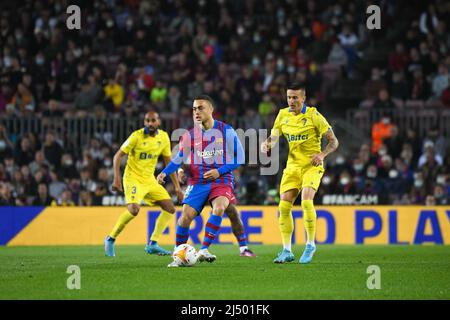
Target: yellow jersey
<point>303,133</point>
<point>143,152</point>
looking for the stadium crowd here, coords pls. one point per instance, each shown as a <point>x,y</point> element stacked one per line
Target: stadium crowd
<point>132,56</point>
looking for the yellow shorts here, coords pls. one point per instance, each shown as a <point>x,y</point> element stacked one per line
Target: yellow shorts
<point>150,192</point>
<point>298,178</point>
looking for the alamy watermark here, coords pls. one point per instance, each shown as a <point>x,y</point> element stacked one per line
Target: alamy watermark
<point>74,280</point>
<point>74,20</point>
<point>374,280</point>
<point>374,20</point>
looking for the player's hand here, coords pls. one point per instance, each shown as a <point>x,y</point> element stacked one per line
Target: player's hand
<point>211,174</point>
<point>265,147</point>
<point>180,195</point>
<point>181,176</point>
<point>317,159</point>
<point>160,178</point>
<point>117,185</point>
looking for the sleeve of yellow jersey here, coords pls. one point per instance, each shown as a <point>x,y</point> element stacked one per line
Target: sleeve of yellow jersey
<point>276,129</point>
<point>166,152</point>
<point>321,123</point>
<point>129,144</point>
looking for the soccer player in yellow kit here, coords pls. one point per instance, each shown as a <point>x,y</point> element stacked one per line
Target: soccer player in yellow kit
<point>303,128</point>
<point>143,147</point>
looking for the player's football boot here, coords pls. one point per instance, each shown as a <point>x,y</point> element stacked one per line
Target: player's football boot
<point>155,249</point>
<point>308,254</point>
<point>174,264</point>
<point>205,255</point>
<point>247,253</point>
<point>109,246</point>
<point>284,256</point>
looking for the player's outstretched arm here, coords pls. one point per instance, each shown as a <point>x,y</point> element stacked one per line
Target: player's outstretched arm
<point>269,143</point>
<point>117,160</point>
<point>175,181</point>
<point>332,145</point>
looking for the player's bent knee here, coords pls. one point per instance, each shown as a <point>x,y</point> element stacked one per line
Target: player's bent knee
<point>134,209</point>
<point>219,210</point>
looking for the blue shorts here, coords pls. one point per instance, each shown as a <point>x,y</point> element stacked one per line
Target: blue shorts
<point>198,195</point>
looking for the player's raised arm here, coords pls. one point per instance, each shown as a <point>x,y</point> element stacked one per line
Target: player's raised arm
<point>175,181</point>
<point>175,163</point>
<point>274,135</point>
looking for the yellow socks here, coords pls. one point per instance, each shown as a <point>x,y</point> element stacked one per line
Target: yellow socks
<point>286,223</point>
<point>121,223</point>
<point>161,225</point>
<point>309,218</point>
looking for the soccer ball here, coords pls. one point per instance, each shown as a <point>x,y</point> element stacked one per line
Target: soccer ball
<point>185,255</point>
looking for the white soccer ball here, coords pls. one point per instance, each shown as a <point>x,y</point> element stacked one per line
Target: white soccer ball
<point>185,255</point>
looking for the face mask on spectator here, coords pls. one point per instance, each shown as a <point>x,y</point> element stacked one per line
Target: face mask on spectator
<point>280,64</point>
<point>240,30</point>
<point>108,162</point>
<point>441,180</point>
<point>291,69</point>
<point>256,38</point>
<point>393,174</point>
<point>7,61</point>
<point>418,183</point>
<point>109,23</point>
<point>371,174</point>
<point>386,120</point>
<point>40,61</point>
<point>344,181</point>
<point>382,152</point>
<point>340,160</point>
<point>358,167</point>
<point>68,162</point>
<point>255,61</point>
<point>2,145</point>
<point>326,180</point>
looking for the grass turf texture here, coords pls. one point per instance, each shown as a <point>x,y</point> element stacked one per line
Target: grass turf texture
<point>337,272</point>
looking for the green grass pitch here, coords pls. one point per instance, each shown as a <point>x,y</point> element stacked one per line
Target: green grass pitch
<point>337,272</point>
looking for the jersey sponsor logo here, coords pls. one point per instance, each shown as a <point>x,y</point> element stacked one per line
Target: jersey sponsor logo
<point>296,137</point>
<point>209,153</point>
<point>146,156</point>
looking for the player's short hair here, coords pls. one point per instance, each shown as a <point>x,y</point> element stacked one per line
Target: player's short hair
<point>296,86</point>
<point>205,97</point>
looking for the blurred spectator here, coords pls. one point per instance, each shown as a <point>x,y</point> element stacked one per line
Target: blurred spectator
<point>6,146</point>
<point>394,143</point>
<point>39,161</point>
<point>375,84</point>
<point>441,81</point>
<point>6,197</point>
<point>384,101</point>
<point>43,198</point>
<point>25,153</point>
<point>85,199</point>
<point>381,130</point>
<point>52,151</point>
<point>65,200</point>
<point>114,93</point>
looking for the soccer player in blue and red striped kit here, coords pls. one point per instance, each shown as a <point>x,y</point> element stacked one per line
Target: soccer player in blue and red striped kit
<point>213,150</point>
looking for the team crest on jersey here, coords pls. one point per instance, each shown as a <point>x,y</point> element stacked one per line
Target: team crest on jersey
<point>159,144</point>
